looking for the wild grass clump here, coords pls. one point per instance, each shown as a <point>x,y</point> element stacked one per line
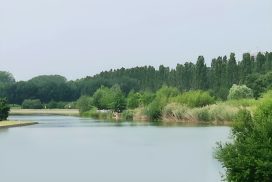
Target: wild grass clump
<point>211,113</point>
<point>175,112</point>
<point>139,114</point>
<point>266,96</point>
<point>223,112</point>
<point>127,115</point>
<point>202,114</point>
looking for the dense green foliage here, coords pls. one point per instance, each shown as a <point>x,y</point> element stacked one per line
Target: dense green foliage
<point>109,98</point>
<point>32,104</point>
<point>6,78</point>
<point>259,83</point>
<point>154,110</point>
<point>4,109</point>
<point>84,103</point>
<point>133,100</point>
<point>44,88</point>
<point>248,157</point>
<point>255,71</point>
<point>163,95</point>
<point>58,105</point>
<point>195,98</point>
<point>240,92</point>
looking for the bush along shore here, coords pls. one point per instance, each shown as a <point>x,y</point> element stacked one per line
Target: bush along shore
<point>169,105</point>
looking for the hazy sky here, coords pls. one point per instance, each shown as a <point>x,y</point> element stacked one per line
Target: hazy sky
<point>76,38</point>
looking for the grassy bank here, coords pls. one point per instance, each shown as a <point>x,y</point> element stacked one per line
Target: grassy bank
<point>220,113</point>
<point>8,124</point>
<point>65,112</point>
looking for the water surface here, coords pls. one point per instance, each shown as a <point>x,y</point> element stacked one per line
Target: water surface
<point>72,149</point>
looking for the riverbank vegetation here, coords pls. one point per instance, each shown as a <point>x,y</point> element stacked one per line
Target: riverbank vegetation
<point>190,92</point>
<point>248,156</point>
<point>170,105</point>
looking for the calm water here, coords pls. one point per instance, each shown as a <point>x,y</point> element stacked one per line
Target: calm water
<point>70,149</point>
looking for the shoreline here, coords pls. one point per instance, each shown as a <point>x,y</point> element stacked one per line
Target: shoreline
<point>166,121</point>
<point>63,112</point>
<point>10,124</point>
<point>75,112</point>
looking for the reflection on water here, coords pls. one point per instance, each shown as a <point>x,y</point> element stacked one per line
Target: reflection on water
<point>63,148</point>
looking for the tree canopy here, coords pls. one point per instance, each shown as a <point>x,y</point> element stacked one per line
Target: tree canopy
<point>6,78</point>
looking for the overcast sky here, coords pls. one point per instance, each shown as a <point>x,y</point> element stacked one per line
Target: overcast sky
<point>76,38</point>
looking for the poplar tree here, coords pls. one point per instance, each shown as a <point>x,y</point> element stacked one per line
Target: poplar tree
<point>232,70</point>
<point>201,74</point>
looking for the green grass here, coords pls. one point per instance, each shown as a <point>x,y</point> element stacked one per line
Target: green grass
<point>241,102</point>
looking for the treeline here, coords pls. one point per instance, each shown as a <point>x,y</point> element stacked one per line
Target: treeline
<point>253,71</point>
<point>45,88</point>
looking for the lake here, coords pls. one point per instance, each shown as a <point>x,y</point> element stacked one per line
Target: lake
<point>73,149</point>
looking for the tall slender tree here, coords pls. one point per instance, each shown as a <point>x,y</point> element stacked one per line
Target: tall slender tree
<point>201,81</point>
<point>232,70</point>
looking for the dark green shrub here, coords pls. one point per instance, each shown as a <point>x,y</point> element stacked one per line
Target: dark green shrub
<point>248,156</point>
<point>154,110</point>
<point>4,109</point>
<point>32,104</point>
<point>56,105</point>
<point>52,105</point>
